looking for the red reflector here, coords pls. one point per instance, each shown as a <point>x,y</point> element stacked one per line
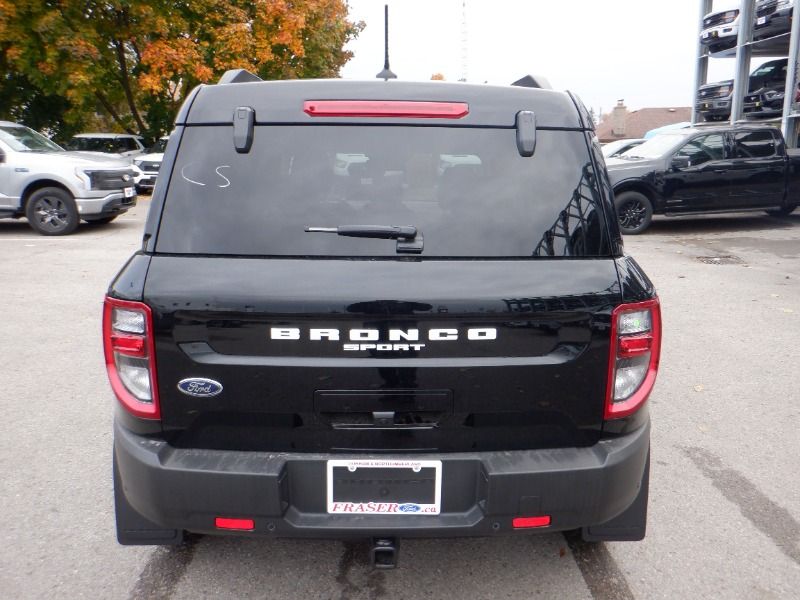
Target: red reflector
<point>528,522</point>
<point>385,108</point>
<point>240,524</point>
<point>634,344</point>
<point>128,344</point>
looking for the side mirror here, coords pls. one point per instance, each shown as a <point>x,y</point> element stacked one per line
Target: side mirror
<point>681,162</point>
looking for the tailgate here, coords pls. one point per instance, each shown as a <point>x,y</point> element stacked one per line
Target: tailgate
<point>382,355</point>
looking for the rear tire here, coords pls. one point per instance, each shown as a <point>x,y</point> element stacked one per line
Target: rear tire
<point>783,211</point>
<point>52,211</point>
<point>634,212</point>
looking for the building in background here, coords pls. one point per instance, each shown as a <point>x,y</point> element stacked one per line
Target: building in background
<point>620,123</point>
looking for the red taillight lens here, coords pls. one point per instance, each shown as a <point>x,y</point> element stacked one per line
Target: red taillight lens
<point>634,356</point>
<point>386,108</point>
<point>130,356</point>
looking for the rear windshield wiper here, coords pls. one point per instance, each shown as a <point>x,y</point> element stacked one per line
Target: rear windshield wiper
<point>409,240</point>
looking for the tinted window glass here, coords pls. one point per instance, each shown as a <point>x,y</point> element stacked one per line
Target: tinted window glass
<point>107,145</point>
<point>127,144</point>
<point>703,149</point>
<point>754,144</point>
<point>467,190</point>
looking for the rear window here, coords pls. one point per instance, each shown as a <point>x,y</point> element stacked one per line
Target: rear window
<point>466,190</point>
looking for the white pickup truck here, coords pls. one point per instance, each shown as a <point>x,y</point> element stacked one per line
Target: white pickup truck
<point>56,189</point>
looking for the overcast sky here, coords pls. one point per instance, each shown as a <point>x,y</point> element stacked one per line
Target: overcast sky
<point>642,51</point>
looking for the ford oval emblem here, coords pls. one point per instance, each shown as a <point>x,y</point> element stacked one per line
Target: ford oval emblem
<point>409,508</point>
<point>199,387</point>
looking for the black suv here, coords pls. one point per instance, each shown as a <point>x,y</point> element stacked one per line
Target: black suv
<point>386,348</point>
<point>714,99</point>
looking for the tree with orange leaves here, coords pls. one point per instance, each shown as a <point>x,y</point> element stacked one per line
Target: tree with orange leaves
<point>136,60</point>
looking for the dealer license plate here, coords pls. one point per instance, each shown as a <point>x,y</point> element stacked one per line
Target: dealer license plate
<point>129,192</point>
<point>761,20</point>
<point>384,487</point>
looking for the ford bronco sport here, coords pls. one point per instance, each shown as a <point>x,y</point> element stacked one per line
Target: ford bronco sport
<point>390,349</point>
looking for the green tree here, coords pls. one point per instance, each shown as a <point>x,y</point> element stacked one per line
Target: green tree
<point>135,60</point>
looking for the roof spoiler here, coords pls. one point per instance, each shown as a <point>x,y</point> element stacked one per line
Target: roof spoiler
<point>533,81</point>
<point>238,76</point>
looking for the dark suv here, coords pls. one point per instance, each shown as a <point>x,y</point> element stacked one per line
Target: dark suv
<point>714,99</point>
<point>387,349</point>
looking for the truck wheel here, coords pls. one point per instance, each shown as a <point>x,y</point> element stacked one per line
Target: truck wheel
<point>782,211</point>
<point>634,212</point>
<point>52,211</point>
<point>101,220</point>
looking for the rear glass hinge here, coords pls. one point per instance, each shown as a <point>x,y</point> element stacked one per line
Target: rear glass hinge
<point>244,118</point>
<point>526,132</point>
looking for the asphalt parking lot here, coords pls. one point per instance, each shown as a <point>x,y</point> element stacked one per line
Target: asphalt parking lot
<point>725,491</point>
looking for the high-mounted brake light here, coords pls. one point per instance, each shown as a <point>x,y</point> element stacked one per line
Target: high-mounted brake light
<point>130,356</point>
<point>386,108</point>
<point>633,358</point>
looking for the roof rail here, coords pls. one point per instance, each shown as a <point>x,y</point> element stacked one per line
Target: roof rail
<point>238,76</point>
<point>533,81</point>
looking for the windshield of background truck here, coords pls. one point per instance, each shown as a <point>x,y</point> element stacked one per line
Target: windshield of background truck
<point>656,147</point>
<point>23,139</point>
<point>466,190</point>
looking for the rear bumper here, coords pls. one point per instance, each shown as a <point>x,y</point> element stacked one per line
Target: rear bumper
<point>285,493</point>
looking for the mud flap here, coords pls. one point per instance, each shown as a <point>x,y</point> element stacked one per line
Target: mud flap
<point>135,530</point>
<point>631,525</point>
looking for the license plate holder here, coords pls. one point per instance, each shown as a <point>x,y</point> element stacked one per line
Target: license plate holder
<point>384,486</point>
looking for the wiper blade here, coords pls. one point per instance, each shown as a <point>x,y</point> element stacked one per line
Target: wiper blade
<point>383,232</point>
<point>409,240</point>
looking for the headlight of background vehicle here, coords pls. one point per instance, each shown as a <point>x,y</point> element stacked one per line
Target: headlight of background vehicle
<point>95,179</point>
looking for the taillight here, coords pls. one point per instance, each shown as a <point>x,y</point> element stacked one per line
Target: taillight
<point>130,357</point>
<point>633,361</point>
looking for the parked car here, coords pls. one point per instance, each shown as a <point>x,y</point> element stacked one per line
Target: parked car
<point>773,17</point>
<point>617,147</point>
<point>714,99</point>
<point>720,30</point>
<point>56,189</point>
<point>149,165</point>
<point>705,170</point>
<point>118,144</point>
<point>297,351</point>
<point>768,101</point>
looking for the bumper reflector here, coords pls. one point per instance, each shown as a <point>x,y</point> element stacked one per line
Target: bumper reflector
<point>238,524</point>
<point>530,522</point>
